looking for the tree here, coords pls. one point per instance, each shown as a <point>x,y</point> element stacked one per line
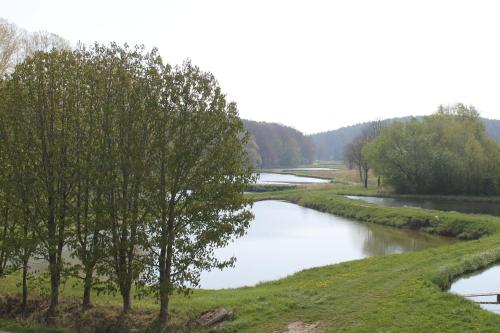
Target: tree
<point>199,175</point>
<point>87,242</point>
<point>17,44</point>
<point>23,199</point>
<point>9,46</point>
<point>127,129</point>
<point>353,152</point>
<point>46,85</point>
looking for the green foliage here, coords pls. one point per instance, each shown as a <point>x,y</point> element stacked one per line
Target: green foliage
<point>198,174</point>
<point>446,153</point>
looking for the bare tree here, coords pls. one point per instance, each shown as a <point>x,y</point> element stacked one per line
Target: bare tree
<point>42,41</point>
<point>353,152</point>
<point>9,46</point>
<point>16,44</point>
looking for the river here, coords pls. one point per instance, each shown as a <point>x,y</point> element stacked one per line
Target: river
<point>285,238</point>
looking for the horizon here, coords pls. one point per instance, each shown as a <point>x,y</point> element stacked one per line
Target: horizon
<point>351,125</point>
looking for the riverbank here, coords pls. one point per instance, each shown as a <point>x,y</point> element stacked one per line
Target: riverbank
<point>394,293</point>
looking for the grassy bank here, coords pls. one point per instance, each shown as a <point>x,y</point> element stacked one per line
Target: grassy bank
<point>394,293</point>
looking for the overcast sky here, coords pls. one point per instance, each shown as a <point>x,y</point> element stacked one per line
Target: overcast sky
<point>312,65</point>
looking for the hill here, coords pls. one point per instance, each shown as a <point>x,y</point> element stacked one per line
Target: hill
<point>330,145</point>
<point>273,145</point>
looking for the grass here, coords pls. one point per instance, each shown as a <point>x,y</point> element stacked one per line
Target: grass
<point>394,293</point>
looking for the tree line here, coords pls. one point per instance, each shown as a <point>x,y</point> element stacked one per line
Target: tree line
<point>113,157</point>
<point>448,152</point>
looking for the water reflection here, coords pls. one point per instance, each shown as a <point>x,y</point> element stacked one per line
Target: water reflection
<point>486,281</point>
<point>469,207</point>
<point>382,240</point>
<point>285,238</point>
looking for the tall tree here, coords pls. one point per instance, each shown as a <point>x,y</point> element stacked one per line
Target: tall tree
<point>7,223</point>
<point>89,214</point>
<point>23,189</point>
<point>199,175</point>
<point>47,84</point>
<point>127,122</point>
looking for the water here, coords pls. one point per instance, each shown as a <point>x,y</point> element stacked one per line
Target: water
<point>266,178</point>
<point>486,281</point>
<point>313,169</point>
<point>469,207</point>
<point>285,238</point>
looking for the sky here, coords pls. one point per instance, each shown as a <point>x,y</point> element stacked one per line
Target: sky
<point>312,65</point>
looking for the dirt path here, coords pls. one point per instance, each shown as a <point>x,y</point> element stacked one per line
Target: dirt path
<point>300,327</point>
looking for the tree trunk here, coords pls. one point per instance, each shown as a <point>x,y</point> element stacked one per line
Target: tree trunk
<point>366,178</point>
<point>87,288</point>
<point>164,286</point>
<point>3,263</point>
<point>24,304</point>
<point>53,262</point>
<point>54,292</point>
<point>166,257</point>
<point>4,256</point>
<point>127,301</point>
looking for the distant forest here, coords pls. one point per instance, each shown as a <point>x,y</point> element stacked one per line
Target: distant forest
<point>330,145</point>
<point>273,145</point>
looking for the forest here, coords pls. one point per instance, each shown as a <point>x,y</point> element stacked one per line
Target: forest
<point>273,145</point>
